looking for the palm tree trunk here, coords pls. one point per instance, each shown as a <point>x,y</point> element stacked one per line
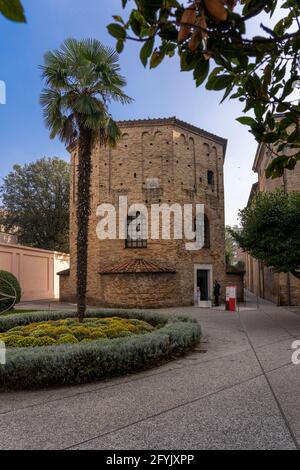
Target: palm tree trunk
<point>83,214</point>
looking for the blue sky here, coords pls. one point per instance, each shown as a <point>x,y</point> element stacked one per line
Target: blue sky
<point>160,93</point>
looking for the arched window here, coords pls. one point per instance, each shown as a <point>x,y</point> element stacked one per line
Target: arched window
<point>210,178</point>
<point>136,231</point>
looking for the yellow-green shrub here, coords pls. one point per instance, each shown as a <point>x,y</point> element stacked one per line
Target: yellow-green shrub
<point>97,333</point>
<point>67,339</point>
<point>70,331</point>
<point>11,341</point>
<point>45,341</point>
<point>91,360</point>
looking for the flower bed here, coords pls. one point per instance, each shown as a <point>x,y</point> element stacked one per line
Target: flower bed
<point>70,331</point>
<point>152,340</point>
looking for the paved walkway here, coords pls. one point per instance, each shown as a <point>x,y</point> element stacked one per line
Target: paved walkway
<point>243,393</point>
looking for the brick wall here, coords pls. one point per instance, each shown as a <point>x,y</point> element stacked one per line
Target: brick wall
<point>179,156</point>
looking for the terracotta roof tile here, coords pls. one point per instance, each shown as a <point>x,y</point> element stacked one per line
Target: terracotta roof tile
<point>137,266</point>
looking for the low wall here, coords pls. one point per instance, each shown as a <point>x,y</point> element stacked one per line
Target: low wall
<point>35,269</point>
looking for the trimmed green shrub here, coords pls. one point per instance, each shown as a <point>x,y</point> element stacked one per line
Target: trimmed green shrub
<point>72,331</point>
<point>7,322</point>
<point>67,339</point>
<point>88,361</point>
<point>9,285</point>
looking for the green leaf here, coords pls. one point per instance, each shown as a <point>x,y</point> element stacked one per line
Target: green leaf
<point>227,93</point>
<point>168,32</point>
<point>247,121</point>
<point>282,107</point>
<point>146,51</point>
<point>120,46</point>
<point>119,19</point>
<point>219,82</point>
<point>13,10</point>
<point>280,74</point>
<point>156,59</point>
<point>116,31</point>
<point>201,71</point>
<point>270,138</point>
<point>187,61</point>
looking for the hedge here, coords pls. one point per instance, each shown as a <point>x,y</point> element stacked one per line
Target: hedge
<point>33,368</point>
<point>69,330</point>
<point>7,279</point>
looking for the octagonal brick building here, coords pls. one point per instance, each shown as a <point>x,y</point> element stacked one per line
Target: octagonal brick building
<point>186,164</point>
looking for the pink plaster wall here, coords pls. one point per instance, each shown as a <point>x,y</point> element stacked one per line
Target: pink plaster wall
<point>35,269</point>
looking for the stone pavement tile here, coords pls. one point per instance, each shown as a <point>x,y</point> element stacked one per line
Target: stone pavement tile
<point>65,422</point>
<point>12,401</point>
<point>283,318</point>
<point>215,335</point>
<point>286,385</point>
<point>275,355</point>
<point>230,324</point>
<point>290,325</point>
<point>243,417</point>
<point>261,329</point>
<point>224,340</point>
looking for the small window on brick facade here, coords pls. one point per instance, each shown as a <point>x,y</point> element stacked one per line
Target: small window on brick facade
<point>210,177</point>
<point>136,231</point>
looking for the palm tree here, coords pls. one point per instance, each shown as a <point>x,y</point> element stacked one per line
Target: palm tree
<point>81,79</point>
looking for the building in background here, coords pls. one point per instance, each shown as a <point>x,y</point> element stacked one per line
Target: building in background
<point>10,238</point>
<point>186,164</point>
<point>5,236</point>
<point>281,288</point>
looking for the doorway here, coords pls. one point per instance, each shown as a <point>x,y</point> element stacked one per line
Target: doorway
<point>203,281</point>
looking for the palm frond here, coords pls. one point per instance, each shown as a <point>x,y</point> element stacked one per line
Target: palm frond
<point>81,78</point>
<point>113,132</point>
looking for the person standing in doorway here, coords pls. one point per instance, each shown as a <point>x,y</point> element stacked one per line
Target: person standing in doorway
<point>217,292</point>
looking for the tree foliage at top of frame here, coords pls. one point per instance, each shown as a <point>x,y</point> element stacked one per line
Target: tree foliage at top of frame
<point>13,10</point>
<point>212,40</point>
